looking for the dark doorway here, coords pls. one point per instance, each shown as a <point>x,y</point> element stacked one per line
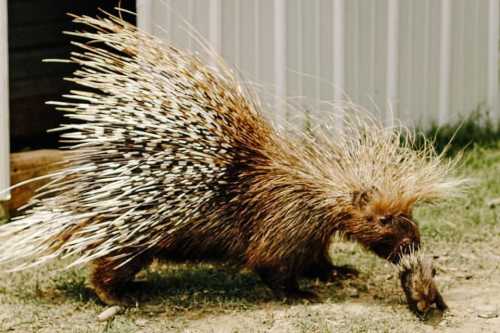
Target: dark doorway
<point>35,33</point>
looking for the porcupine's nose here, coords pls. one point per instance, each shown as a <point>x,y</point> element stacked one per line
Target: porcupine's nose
<point>408,245</point>
<point>405,244</point>
<point>411,240</point>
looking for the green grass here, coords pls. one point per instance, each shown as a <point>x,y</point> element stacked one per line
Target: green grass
<point>475,130</point>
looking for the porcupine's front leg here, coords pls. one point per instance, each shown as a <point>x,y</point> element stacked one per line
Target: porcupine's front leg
<point>327,272</point>
<point>283,283</point>
<point>113,284</point>
<point>322,268</point>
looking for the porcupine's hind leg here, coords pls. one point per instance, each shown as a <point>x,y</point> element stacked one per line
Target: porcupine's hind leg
<point>113,284</point>
<point>283,283</point>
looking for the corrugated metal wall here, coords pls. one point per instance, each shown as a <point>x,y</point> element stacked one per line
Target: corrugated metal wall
<point>431,59</point>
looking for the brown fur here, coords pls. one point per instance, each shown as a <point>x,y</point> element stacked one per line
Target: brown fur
<point>251,224</point>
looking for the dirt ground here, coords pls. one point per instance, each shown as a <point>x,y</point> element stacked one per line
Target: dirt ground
<point>463,237</point>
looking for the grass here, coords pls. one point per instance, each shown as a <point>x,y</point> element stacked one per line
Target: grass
<point>475,130</point>
<point>463,236</point>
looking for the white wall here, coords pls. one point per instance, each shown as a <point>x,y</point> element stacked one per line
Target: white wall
<point>4,104</point>
<point>431,59</point>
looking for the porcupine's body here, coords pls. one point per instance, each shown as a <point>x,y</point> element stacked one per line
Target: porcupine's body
<point>174,161</point>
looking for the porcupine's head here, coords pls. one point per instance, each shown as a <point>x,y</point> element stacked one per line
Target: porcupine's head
<point>374,177</point>
<point>386,230</point>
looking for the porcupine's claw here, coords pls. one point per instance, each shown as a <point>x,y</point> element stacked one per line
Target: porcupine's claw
<point>298,295</point>
<point>285,286</point>
<point>440,304</point>
<point>344,272</point>
<point>330,273</point>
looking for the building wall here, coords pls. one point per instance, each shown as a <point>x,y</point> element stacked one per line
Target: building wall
<point>4,106</point>
<point>30,31</point>
<point>35,32</point>
<point>431,60</point>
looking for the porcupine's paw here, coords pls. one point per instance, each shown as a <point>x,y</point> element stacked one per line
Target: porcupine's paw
<point>124,294</point>
<point>285,286</point>
<point>127,294</point>
<point>301,295</point>
<point>115,285</point>
<point>343,272</point>
<point>331,273</point>
<point>293,295</point>
<point>111,297</point>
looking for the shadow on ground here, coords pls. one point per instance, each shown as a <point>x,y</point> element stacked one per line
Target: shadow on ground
<point>203,285</point>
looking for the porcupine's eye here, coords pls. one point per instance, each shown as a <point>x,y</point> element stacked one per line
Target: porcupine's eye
<point>385,220</point>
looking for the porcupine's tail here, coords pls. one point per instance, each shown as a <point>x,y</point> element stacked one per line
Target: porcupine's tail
<point>153,132</point>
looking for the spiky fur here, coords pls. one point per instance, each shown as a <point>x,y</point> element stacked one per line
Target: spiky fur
<point>174,160</point>
<point>417,279</point>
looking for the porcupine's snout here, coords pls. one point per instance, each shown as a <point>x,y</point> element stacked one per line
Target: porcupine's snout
<point>397,236</point>
<point>409,238</point>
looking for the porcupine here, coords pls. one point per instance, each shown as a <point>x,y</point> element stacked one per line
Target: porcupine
<point>173,160</point>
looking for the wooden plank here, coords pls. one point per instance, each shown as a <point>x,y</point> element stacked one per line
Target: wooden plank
<point>28,165</point>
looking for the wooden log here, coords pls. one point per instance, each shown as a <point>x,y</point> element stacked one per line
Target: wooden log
<point>27,165</point>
